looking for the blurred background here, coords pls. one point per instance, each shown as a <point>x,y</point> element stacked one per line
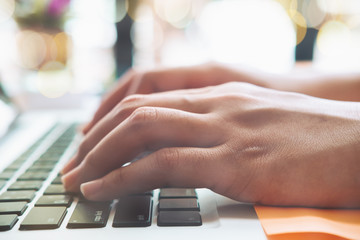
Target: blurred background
<point>56,53</point>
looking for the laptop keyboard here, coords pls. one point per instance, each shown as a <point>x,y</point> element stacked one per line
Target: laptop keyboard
<point>45,207</point>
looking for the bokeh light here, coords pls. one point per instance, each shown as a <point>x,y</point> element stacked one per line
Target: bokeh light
<point>53,80</point>
<point>7,8</point>
<point>175,12</point>
<point>314,15</point>
<point>146,35</point>
<point>36,48</point>
<point>340,6</point>
<point>334,38</point>
<point>60,47</point>
<point>300,25</point>
<point>31,49</point>
<point>139,10</point>
<point>256,33</point>
<point>288,4</point>
<point>112,10</point>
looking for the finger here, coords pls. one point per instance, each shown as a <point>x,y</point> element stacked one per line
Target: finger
<point>178,99</point>
<point>148,128</point>
<point>111,99</point>
<point>169,167</point>
<point>155,81</point>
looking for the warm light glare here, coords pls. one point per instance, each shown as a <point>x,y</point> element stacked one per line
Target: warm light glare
<point>288,4</point>
<point>334,38</point>
<point>53,80</point>
<point>7,8</point>
<point>146,35</point>
<point>112,10</point>
<point>139,10</point>
<point>175,12</point>
<point>60,47</point>
<point>315,16</point>
<point>340,6</point>
<point>299,24</point>
<point>31,48</point>
<point>258,33</point>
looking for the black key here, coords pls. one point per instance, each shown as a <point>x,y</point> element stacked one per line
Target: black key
<point>90,215</point>
<point>28,176</point>
<point>25,185</point>
<point>43,218</point>
<point>6,175</point>
<point>7,221</point>
<point>16,196</point>
<point>55,200</point>
<point>149,193</point>
<point>179,218</point>
<point>179,204</point>
<point>17,208</point>
<point>177,193</point>
<point>56,189</point>
<point>133,211</point>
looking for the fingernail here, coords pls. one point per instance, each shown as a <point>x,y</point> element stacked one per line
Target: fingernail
<point>90,189</point>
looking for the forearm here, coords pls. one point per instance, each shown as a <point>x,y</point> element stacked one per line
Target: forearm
<point>344,87</point>
<point>302,79</point>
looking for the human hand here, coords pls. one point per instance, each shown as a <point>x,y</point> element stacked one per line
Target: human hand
<point>160,80</point>
<point>242,141</point>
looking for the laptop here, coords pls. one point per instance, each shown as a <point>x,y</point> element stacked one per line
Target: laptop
<point>34,205</point>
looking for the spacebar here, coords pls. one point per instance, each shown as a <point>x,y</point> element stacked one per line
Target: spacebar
<point>90,215</point>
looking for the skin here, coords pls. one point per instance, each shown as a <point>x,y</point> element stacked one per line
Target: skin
<point>241,140</point>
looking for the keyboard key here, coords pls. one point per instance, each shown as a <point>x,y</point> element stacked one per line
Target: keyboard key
<point>133,211</point>
<point>16,196</point>
<point>17,208</point>
<point>177,193</point>
<point>29,176</point>
<point>2,184</point>
<point>40,168</point>
<point>56,189</point>
<point>149,193</point>
<point>54,200</point>
<point>179,218</point>
<point>49,158</point>
<point>43,218</point>
<point>7,221</point>
<point>57,180</point>
<point>179,204</point>
<point>25,185</point>
<point>14,166</point>
<point>6,175</point>
<point>90,215</point>
<point>38,163</point>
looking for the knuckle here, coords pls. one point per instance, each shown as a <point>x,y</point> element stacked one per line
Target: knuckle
<point>83,148</point>
<point>122,111</point>
<point>167,160</point>
<point>131,99</point>
<point>90,161</point>
<point>143,115</point>
<point>115,178</point>
<point>127,106</point>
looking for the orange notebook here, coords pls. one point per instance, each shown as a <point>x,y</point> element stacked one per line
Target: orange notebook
<point>280,223</point>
